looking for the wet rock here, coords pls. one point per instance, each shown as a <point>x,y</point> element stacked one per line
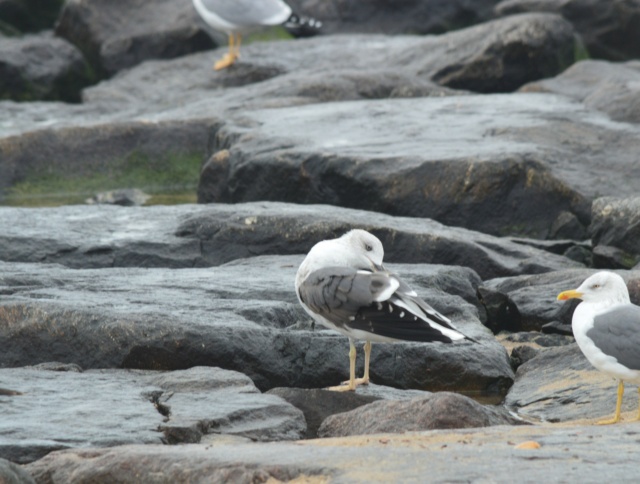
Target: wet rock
<point>560,385</point>
<point>241,316</point>
<point>502,312</point>
<point>199,236</point>
<point>41,66</point>
<point>115,35</point>
<point>318,404</point>
<point>567,226</point>
<point>104,408</point>
<point>612,88</point>
<point>616,222</point>
<point>11,473</point>
<point>521,354</point>
<point>609,27</point>
<point>441,410</point>
<point>452,455</point>
<point>482,175</point>
<point>608,257</point>
<point>408,17</point>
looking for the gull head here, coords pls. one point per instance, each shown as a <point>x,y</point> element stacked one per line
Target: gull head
<point>364,245</point>
<point>602,287</point>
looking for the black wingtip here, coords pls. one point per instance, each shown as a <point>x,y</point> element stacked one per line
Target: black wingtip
<point>299,26</point>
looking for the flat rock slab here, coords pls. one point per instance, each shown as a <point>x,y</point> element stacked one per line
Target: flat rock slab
<point>560,385</point>
<point>442,410</point>
<point>584,453</point>
<point>197,236</point>
<point>103,408</point>
<point>486,163</point>
<point>242,316</point>
<point>613,88</point>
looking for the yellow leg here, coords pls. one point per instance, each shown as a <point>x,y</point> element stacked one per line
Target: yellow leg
<point>230,57</point>
<point>351,384</point>
<point>638,417</point>
<point>367,358</point>
<point>616,417</point>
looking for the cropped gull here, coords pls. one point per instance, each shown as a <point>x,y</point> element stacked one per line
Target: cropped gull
<point>343,286</point>
<point>606,326</point>
<point>235,17</point>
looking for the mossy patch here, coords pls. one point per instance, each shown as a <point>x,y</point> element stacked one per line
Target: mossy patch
<point>169,180</point>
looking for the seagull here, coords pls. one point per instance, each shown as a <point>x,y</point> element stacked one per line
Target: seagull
<point>343,286</point>
<point>237,16</point>
<point>606,326</point>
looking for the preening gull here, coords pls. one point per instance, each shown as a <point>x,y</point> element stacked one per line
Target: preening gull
<point>606,326</point>
<point>343,286</point>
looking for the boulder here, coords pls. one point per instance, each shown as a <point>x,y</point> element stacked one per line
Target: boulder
<point>605,454</point>
<point>241,316</point>
<point>118,34</point>
<point>613,88</point>
<point>407,17</point>
<point>11,473</point>
<point>210,235</point>
<point>560,385</point>
<point>318,404</point>
<point>105,408</point>
<point>616,222</point>
<point>442,410</point>
<point>609,28</point>
<point>492,161</point>
<point>41,66</point>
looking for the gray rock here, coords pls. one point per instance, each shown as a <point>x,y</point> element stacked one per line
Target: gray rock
<point>504,161</point>
<point>616,222</point>
<point>521,354</point>
<point>28,15</point>
<point>198,236</point>
<point>318,404</point>
<point>567,226</point>
<point>441,410</point>
<point>589,453</point>
<point>608,257</point>
<point>241,316</point>
<point>608,27</point>
<point>41,66</point>
<point>11,473</point>
<point>560,385</point>
<point>609,87</point>
<point>535,295</point>
<point>103,408</point>
<point>115,35</point>
<point>408,17</point>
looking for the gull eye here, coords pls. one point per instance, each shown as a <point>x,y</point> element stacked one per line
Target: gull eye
<point>368,247</point>
<point>595,286</point>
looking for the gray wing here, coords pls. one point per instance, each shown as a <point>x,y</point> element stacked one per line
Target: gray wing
<point>617,334</point>
<point>353,299</point>
<point>338,293</point>
<point>246,12</point>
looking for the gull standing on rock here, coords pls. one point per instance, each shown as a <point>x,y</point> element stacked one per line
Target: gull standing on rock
<point>607,329</point>
<point>237,16</point>
<point>343,286</point>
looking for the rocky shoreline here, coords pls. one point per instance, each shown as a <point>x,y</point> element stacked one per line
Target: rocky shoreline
<point>495,161</point>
